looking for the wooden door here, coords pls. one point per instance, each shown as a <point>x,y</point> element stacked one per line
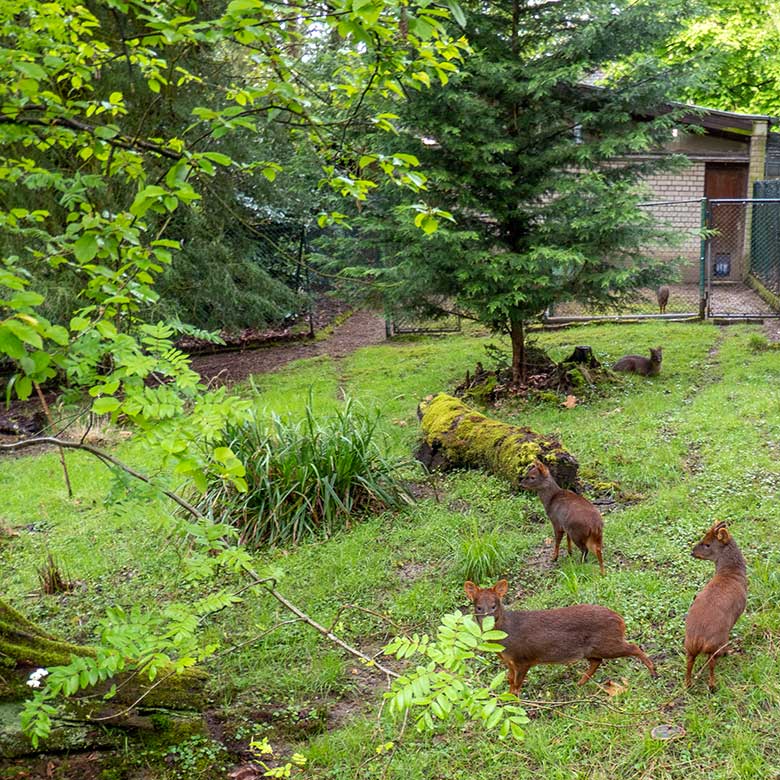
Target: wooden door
<point>727,247</point>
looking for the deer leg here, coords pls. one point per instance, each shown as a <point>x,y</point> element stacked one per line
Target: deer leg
<point>511,671</point>
<point>568,544</point>
<point>594,664</point>
<point>521,670</point>
<point>600,559</point>
<point>711,682</point>
<point>558,537</point>
<point>689,669</point>
<point>637,652</point>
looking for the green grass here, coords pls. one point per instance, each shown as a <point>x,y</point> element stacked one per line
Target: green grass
<point>699,442</point>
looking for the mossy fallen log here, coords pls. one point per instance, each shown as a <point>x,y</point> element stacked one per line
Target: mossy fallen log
<point>456,436</point>
<point>134,705</point>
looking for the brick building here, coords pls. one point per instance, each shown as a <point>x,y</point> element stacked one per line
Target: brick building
<point>728,153</point>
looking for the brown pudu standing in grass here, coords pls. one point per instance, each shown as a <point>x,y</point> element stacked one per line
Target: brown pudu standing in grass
<point>553,636</point>
<point>719,604</point>
<point>569,513</point>
<point>662,294</point>
<point>637,364</point>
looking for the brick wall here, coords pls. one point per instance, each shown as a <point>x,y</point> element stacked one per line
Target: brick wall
<point>683,218</point>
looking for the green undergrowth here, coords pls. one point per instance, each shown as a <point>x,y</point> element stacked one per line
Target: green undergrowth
<point>699,442</point>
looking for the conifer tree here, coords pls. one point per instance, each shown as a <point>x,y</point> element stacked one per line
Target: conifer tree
<point>526,148</point>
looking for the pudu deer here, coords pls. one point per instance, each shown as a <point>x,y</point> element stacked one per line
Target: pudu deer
<point>719,604</point>
<point>569,514</point>
<point>553,636</point>
<point>638,364</point>
<point>662,294</point>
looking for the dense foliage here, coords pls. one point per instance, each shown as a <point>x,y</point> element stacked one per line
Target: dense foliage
<point>736,44</point>
<point>118,123</point>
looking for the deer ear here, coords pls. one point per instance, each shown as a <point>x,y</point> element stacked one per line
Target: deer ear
<point>501,588</point>
<point>471,590</point>
<point>723,535</point>
<point>542,468</point>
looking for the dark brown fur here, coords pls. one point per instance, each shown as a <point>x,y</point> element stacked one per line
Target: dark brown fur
<point>553,636</point>
<point>569,514</point>
<point>636,364</point>
<point>662,294</point>
<point>719,604</point>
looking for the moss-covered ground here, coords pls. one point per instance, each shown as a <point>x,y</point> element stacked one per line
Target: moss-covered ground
<point>699,442</point>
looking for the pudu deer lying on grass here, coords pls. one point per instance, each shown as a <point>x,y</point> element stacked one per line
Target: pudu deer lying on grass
<point>553,636</point>
<point>569,513</point>
<point>719,604</point>
<point>638,364</point>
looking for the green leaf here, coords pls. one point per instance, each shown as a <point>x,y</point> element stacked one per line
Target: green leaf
<point>31,69</point>
<point>58,335</point>
<point>23,387</point>
<point>26,333</point>
<point>218,158</point>
<point>105,405</point>
<point>85,248</point>
<point>11,344</point>
<point>26,299</point>
<point>456,11</point>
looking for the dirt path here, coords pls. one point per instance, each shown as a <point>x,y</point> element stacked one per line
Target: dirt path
<point>361,330</point>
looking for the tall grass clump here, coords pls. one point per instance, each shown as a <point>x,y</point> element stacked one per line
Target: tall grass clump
<point>479,556</point>
<point>306,478</point>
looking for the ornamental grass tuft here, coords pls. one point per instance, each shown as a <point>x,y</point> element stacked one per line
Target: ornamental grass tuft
<point>307,478</point>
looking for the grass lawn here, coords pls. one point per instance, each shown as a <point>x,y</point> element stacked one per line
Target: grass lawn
<point>698,443</point>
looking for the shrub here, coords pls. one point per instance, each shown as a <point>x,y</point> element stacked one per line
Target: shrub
<point>306,478</point>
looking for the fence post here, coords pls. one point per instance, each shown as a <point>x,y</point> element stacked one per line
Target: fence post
<point>703,262</point>
<point>310,304</point>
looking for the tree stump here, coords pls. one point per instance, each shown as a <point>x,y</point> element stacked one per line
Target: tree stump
<point>457,436</point>
<point>583,355</point>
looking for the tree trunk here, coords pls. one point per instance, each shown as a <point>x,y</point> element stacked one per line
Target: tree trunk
<point>25,646</point>
<point>517,334</point>
<point>457,436</point>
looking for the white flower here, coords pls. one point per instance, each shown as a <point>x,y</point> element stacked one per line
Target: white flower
<point>34,680</point>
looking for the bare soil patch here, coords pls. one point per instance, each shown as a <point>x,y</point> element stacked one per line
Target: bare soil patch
<point>362,329</point>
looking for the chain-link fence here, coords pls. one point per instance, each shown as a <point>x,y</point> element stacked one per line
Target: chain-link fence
<point>280,249</point>
<point>725,253</point>
<point>679,227</point>
<point>407,323</point>
<point>727,258</point>
<point>742,260</point>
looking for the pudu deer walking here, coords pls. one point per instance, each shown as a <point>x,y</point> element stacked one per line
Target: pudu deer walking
<point>719,604</point>
<point>553,636</point>
<point>569,514</point>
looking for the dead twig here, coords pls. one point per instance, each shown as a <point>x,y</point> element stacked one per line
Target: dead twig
<point>47,412</point>
<point>106,458</point>
<point>269,583</point>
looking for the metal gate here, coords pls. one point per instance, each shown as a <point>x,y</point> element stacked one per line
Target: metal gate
<point>741,261</point>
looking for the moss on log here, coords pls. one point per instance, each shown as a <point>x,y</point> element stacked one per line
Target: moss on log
<point>25,645</point>
<point>457,436</point>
